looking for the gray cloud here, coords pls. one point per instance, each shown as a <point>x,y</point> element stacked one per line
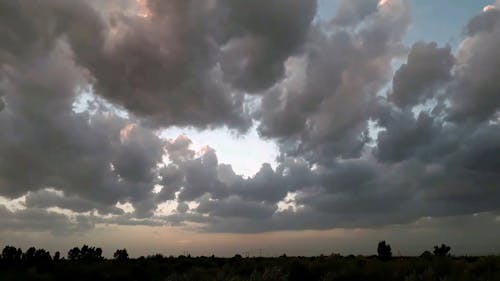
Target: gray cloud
<point>484,22</point>
<point>427,67</point>
<point>474,91</point>
<point>50,198</point>
<point>186,62</point>
<point>321,89</point>
<point>46,144</point>
<point>40,220</point>
<point>236,207</point>
<point>322,111</point>
<point>263,34</point>
<point>353,12</point>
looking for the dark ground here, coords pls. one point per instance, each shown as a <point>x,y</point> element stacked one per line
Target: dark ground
<point>334,267</point>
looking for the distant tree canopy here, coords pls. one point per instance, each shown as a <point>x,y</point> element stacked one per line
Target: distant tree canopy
<point>426,255</point>
<point>384,251</point>
<point>41,255</point>
<point>121,255</point>
<point>86,253</point>
<point>10,253</point>
<point>57,256</point>
<point>31,255</point>
<point>442,251</point>
<point>181,268</point>
<point>74,254</point>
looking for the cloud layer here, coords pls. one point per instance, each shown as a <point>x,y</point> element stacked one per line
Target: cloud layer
<point>361,144</point>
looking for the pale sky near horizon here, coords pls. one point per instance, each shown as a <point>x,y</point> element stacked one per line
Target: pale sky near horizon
<point>231,127</point>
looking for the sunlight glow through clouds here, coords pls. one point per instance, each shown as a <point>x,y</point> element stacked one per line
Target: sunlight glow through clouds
<point>245,153</point>
<point>143,10</point>
<point>383,2</point>
<point>13,205</point>
<point>229,146</point>
<point>288,203</point>
<point>126,207</point>
<point>125,132</point>
<point>488,8</point>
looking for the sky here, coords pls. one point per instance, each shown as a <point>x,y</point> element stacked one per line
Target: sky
<point>263,127</point>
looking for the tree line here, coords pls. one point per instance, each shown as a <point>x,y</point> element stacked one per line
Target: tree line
<point>384,251</point>
<point>90,253</point>
<point>87,263</point>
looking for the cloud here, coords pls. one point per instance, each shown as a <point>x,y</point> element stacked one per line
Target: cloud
<point>321,112</point>
<point>46,144</point>
<point>353,12</point>
<point>51,198</point>
<point>473,93</point>
<point>262,35</point>
<point>187,63</point>
<point>40,220</point>
<point>427,66</point>
<point>483,22</point>
<point>360,145</point>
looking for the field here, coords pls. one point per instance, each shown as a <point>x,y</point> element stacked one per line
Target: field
<point>333,267</point>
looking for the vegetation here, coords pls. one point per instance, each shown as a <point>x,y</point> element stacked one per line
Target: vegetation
<point>384,251</point>
<point>87,263</point>
<point>442,250</point>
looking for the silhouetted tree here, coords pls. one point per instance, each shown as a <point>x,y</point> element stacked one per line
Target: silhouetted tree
<point>41,255</point>
<point>74,254</point>
<point>442,250</point>
<point>121,255</point>
<point>158,257</point>
<point>10,253</point>
<point>29,255</point>
<point>426,255</point>
<point>86,253</point>
<point>384,251</point>
<point>57,256</point>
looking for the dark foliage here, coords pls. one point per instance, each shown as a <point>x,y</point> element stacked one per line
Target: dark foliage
<point>384,251</point>
<point>426,255</point>
<point>86,253</point>
<point>10,253</point>
<point>121,255</point>
<point>185,268</point>
<point>442,251</point>
<point>57,256</point>
<point>74,254</point>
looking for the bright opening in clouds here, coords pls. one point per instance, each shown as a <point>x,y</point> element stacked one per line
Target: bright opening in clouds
<point>232,120</point>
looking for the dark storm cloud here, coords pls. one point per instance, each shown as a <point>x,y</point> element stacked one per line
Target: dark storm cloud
<point>49,198</point>
<point>351,155</point>
<point>190,175</point>
<point>195,176</point>
<point>163,68</point>
<point>322,111</point>
<point>484,22</point>
<point>236,207</point>
<point>45,144</point>
<point>421,164</point>
<point>404,135</point>
<point>427,66</point>
<point>262,35</point>
<point>474,92</point>
<point>168,62</point>
<point>186,62</point>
